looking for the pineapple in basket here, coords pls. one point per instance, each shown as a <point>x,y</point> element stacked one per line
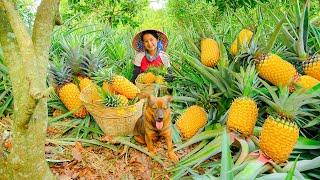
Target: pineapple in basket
<point>152,75</point>
<point>112,100</point>
<point>68,92</point>
<point>118,84</point>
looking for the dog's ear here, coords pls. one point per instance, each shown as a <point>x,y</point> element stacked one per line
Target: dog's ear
<point>143,95</point>
<point>168,98</point>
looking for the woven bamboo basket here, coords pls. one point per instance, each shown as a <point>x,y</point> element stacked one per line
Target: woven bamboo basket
<point>114,121</point>
<point>152,88</point>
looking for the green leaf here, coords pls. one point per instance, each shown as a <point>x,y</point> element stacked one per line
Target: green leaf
<point>226,159</point>
<point>305,143</point>
<point>292,169</point>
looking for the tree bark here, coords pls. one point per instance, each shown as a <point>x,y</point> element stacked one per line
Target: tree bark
<point>27,60</point>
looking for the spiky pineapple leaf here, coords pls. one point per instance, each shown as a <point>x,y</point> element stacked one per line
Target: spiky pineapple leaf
<point>226,159</point>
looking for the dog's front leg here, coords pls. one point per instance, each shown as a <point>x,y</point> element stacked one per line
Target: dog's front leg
<point>171,153</point>
<point>149,137</point>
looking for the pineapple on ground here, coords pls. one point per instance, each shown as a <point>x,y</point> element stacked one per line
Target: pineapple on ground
<point>241,41</point>
<point>189,123</point>
<point>68,92</point>
<point>210,52</point>
<point>243,111</point>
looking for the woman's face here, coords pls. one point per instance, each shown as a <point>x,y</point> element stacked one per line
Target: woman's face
<point>150,42</point>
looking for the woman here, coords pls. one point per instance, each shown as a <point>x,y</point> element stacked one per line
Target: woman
<point>150,46</point>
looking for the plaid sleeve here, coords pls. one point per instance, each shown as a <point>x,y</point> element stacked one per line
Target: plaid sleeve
<point>165,59</point>
<point>138,58</point>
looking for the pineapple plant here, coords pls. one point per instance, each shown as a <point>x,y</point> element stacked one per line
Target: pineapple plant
<point>271,67</point>
<point>210,52</point>
<point>191,121</point>
<point>306,58</point>
<point>241,41</point>
<point>280,131</point>
<point>243,111</point>
<point>68,92</point>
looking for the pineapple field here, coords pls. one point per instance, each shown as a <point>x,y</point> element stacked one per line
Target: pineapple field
<point>244,77</point>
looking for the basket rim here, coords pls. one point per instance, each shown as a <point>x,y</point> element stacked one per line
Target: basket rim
<point>97,102</point>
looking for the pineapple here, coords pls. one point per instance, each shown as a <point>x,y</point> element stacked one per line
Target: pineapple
<point>159,79</point>
<point>111,100</point>
<point>280,131</point>
<point>274,69</point>
<point>189,123</point>
<point>307,61</point>
<point>140,78</point>
<point>148,78</point>
<point>123,101</point>
<point>68,92</point>
<point>241,41</point>
<point>107,87</point>
<point>120,84</point>
<point>243,111</point>
<point>307,82</point>
<point>278,138</point>
<point>312,66</point>
<point>210,52</point>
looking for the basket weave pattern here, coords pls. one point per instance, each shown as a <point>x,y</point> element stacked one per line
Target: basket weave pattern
<point>114,121</point>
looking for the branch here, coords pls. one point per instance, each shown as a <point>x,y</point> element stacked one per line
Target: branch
<point>20,32</point>
<point>46,17</point>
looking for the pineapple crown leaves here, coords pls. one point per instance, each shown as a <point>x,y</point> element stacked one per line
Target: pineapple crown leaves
<point>72,51</point>
<point>107,98</point>
<point>158,70</point>
<point>247,81</point>
<point>92,59</point>
<point>60,72</point>
<point>292,106</point>
<point>104,74</point>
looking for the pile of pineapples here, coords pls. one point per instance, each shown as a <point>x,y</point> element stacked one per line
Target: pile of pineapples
<point>78,68</point>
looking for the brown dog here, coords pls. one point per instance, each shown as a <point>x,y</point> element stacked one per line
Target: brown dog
<point>154,123</point>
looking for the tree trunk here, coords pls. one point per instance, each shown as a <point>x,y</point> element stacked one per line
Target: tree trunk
<point>27,60</point>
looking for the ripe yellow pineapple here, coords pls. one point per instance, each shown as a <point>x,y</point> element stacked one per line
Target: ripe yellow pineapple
<point>124,87</point>
<point>140,78</point>
<point>189,123</point>
<point>84,82</point>
<point>242,116</point>
<point>307,82</point>
<point>241,41</point>
<point>68,92</point>
<point>243,111</point>
<point>123,101</point>
<point>107,87</point>
<point>210,52</point>
<point>148,78</point>
<point>278,138</point>
<point>159,79</point>
<point>312,66</point>
<point>274,69</point>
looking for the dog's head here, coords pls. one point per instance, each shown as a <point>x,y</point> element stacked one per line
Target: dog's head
<point>158,110</point>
